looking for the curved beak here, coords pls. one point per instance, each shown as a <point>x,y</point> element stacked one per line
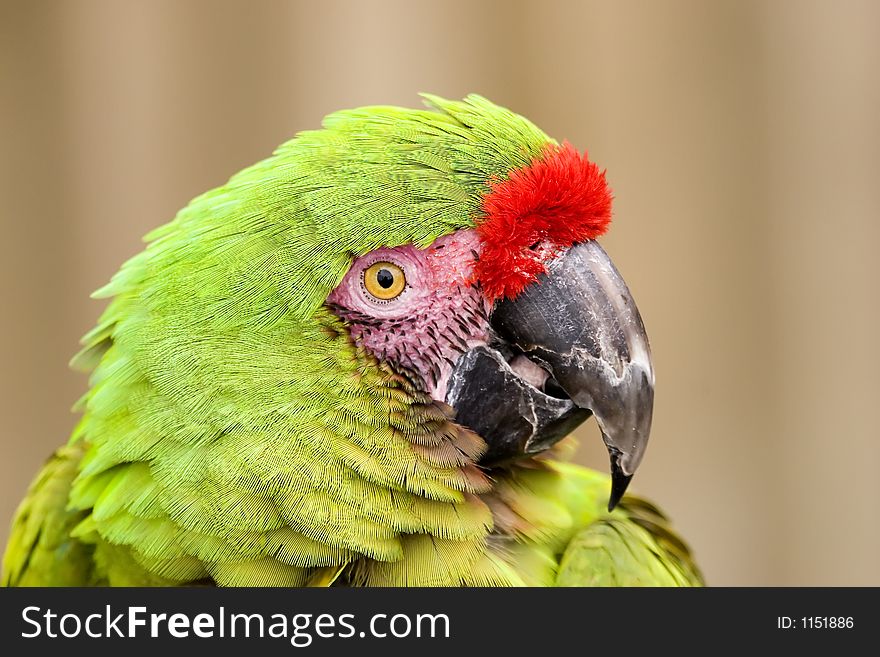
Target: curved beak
<point>569,346</point>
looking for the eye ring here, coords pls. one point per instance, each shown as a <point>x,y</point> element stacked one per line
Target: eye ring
<point>384,280</point>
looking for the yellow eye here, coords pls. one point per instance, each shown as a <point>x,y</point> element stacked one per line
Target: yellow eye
<point>384,280</point>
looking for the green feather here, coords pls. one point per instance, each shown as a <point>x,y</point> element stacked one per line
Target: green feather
<point>41,550</point>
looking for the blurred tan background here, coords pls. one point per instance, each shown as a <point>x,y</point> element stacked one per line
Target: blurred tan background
<point>742,140</point>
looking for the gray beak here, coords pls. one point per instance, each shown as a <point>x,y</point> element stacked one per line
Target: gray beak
<point>569,346</point>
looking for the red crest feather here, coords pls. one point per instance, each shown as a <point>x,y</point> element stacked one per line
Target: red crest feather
<point>558,200</point>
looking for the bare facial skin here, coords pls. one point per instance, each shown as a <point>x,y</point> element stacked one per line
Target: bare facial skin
<point>437,316</point>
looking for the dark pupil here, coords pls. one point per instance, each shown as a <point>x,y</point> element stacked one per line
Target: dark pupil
<point>385,279</point>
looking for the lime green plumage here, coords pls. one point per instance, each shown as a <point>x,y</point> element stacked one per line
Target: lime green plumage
<point>234,433</point>
<point>41,550</point>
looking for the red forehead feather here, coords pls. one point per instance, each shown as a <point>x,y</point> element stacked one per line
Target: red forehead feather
<point>559,199</point>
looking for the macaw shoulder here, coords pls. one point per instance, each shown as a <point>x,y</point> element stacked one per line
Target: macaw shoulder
<point>570,538</point>
<point>41,551</point>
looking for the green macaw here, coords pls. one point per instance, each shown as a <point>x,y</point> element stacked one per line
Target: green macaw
<point>351,365</point>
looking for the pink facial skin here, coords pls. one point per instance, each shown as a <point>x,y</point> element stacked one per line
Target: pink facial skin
<point>439,315</point>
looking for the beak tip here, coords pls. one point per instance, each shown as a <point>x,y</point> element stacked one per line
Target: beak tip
<point>619,483</point>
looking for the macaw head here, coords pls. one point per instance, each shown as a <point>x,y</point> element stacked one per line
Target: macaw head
<point>521,324</point>
<point>322,359</point>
